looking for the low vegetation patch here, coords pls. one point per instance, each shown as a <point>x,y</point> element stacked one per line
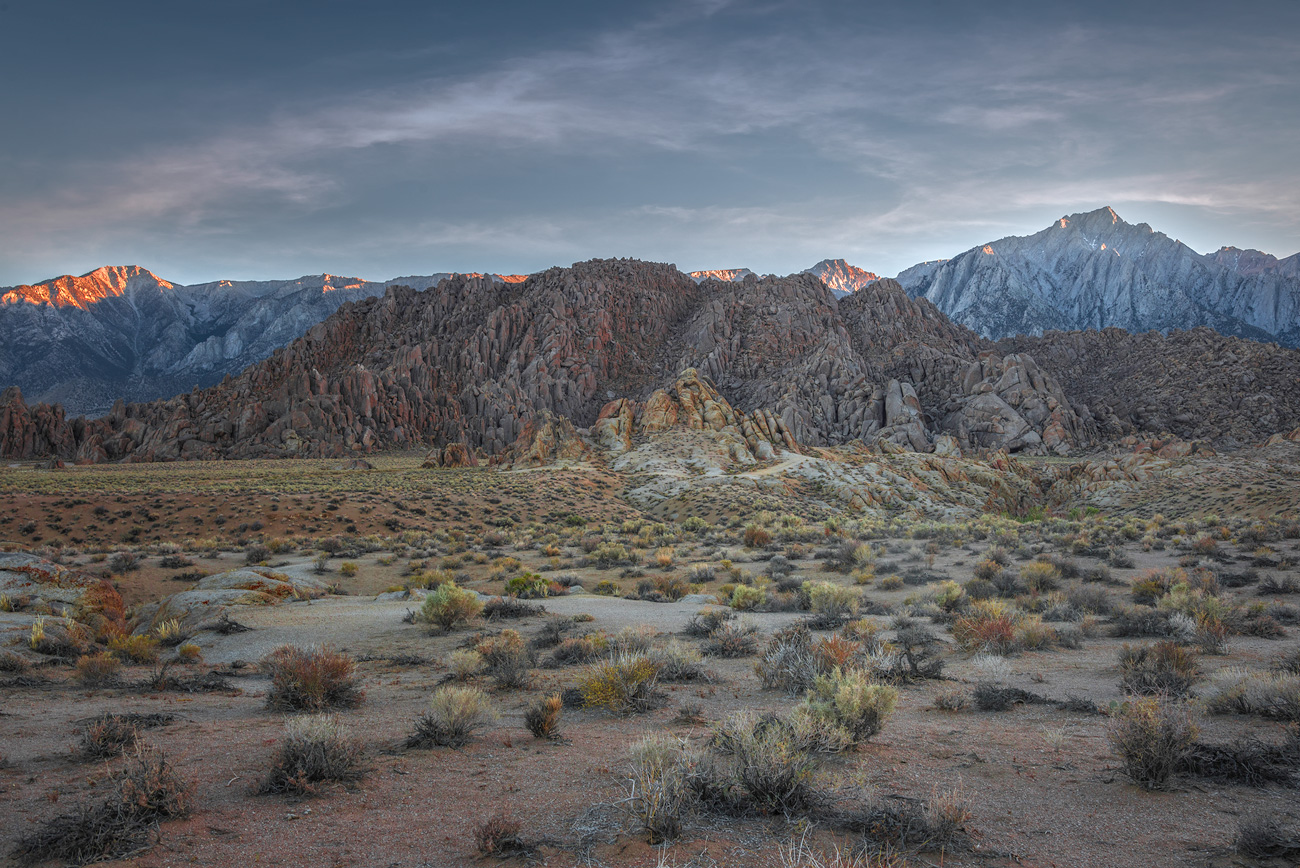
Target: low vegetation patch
<point>316,750</point>
<point>144,792</point>
<point>1153,738</point>
<point>454,714</point>
<point>311,679</point>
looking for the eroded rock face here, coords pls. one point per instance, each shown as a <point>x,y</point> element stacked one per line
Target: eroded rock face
<point>619,347</point>
<point>1198,384</point>
<point>546,439</point>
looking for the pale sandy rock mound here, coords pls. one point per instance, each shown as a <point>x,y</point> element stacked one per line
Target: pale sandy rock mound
<point>693,403</point>
<point>614,426</point>
<point>41,581</point>
<point>221,594</point>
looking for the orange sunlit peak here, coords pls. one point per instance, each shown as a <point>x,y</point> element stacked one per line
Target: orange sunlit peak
<point>988,248</point>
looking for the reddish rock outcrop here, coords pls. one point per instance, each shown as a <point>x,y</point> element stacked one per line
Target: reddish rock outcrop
<point>545,439</point>
<point>451,455</point>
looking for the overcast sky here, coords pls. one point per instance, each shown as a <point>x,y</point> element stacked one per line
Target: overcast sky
<point>274,139</point>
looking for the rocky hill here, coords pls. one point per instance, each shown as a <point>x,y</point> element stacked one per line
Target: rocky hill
<point>1096,271</point>
<point>473,361</point>
<point>1198,384</point>
<point>124,332</point>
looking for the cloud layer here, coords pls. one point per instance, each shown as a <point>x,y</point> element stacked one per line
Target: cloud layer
<point>710,134</point>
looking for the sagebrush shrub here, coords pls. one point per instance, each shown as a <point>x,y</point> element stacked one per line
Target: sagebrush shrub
<point>143,792</point>
<point>1039,577</point>
<point>851,700</point>
<point>316,749</point>
<point>1274,695</point>
<point>1153,737</point>
<point>106,736</point>
<point>746,598</point>
<point>454,713</point>
<point>507,659</point>
<point>624,684</point>
<point>499,836</point>
<point>678,661</point>
<point>732,639</point>
<point>94,670</point>
<point>450,606</point>
<point>658,794</point>
<point>788,661</point>
<point>311,679</point>
<point>767,760</point>
<point>831,602</point>
<point>988,628</point>
<point>1163,668</point>
<point>137,649</point>
<point>543,717</point>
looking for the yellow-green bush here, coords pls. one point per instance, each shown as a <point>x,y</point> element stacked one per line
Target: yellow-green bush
<point>745,598</point>
<point>852,701</point>
<point>450,606</point>
<point>622,685</point>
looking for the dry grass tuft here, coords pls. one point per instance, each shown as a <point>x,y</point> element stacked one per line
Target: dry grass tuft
<point>315,750</point>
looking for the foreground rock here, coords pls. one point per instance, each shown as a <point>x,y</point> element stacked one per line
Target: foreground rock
<point>222,594</point>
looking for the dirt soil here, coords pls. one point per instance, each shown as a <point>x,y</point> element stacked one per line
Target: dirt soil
<point>1042,783</point>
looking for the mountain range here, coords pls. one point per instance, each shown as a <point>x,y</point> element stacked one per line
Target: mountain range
<point>1095,271</point>
<point>125,333</point>
<point>474,365</point>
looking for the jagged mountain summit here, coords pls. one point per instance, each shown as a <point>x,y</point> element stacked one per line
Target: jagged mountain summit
<point>840,277</point>
<point>726,275</point>
<point>1094,271</point>
<point>125,333</point>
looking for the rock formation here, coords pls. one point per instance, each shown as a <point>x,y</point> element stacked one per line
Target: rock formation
<point>1198,384</point>
<point>471,367</point>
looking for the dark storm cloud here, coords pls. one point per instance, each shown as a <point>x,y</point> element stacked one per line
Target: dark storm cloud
<point>260,140</point>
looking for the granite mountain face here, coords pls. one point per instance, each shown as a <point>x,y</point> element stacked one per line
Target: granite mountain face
<point>1095,271</point>
<point>840,278</point>
<point>125,333</point>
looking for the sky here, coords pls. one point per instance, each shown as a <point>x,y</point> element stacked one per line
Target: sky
<point>250,140</point>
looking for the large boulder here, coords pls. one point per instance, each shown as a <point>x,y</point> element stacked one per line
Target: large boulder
<point>41,581</point>
<point>451,455</point>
